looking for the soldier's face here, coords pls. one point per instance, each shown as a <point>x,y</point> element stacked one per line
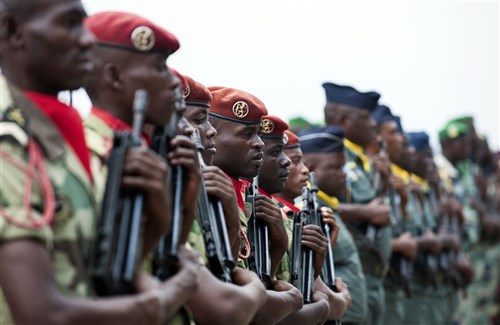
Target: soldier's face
<point>198,118</point>
<point>239,149</point>
<point>57,46</point>
<point>330,173</point>
<point>299,173</point>
<point>149,72</point>
<point>360,127</point>
<point>274,171</point>
<point>393,139</point>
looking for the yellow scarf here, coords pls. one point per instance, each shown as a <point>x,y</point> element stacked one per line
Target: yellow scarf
<point>358,150</point>
<point>398,171</point>
<point>424,184</point>
<point>333,202</point>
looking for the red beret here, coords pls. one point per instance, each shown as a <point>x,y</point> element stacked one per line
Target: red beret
<point>129,31</point>
<point>236,106</point>
<point>273,127</point>
<point>196,94</point>
<point>182,78</point>
<point>291,140</point>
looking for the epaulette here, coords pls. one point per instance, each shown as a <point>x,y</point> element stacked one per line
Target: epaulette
<point>14,126</point>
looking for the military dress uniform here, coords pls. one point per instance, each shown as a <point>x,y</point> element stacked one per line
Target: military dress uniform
<point>347,262</point>
<point>47,191</point>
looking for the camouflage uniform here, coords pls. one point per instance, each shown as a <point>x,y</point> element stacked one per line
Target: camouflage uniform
<point>68,236</point>
<point>99,137</point>
<point>374,256</point>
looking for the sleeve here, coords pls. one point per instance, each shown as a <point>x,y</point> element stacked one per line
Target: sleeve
<point>18,213</point>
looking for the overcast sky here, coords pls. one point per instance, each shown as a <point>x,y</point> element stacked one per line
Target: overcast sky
<point>430,60</point>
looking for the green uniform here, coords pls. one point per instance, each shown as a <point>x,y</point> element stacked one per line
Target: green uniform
<point>374,255</point>
<point>67,237</point>
<point>348,266</point>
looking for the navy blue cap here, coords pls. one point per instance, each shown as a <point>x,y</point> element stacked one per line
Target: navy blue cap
<point>322,140</point>
<point>419,140</point>
<point>397,119</point>
<point>347,95</point>
<point>383,114</point>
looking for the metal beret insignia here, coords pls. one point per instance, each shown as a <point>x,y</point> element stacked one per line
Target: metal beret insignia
<point>267,126</point>
<point>240,109</point>
<point>285,139</point>
<point>453,133</point>
<point>187,92</point>
<point>143,38</point>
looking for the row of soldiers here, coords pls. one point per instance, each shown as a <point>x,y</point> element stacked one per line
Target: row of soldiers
<point>404,235</point>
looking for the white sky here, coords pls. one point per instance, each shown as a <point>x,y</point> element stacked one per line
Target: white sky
<point>430,60</point>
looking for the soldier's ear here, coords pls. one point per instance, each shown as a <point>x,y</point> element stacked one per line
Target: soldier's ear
<point>12,29</point>
<point>112,76</point>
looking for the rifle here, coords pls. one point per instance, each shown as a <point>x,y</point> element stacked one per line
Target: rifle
<point>118,244</point>
<point>165,257</point>
<point>213,225</point>
<point>302,272</point>
<point>328,268</point>
<point>431,262</point>
<point>404,267</point>
<point>258,237</point>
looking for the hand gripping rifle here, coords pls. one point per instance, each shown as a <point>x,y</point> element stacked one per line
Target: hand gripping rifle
<point>302,271</point>
<point>258,236</point>
<point>403,266</point>
<point>165,258</point>
<point>328,269</point>
<point>213,226</point>
<point>118,244</point>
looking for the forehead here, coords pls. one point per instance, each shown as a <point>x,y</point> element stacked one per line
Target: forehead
<point>388,126</point>
<point>273,143</point>
<point>229,127</point>
<point>192,109</point>
<point>37,10</point>
<point>293,152</point>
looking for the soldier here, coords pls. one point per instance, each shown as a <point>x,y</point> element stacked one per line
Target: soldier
<point>226,299</point>
<point>237,115</point>
<point>403,245</point>
<point>339,301</point>
<point>366,215</point>
<point>323,151</point>
<point>47,199</point>
<point>272,178</point>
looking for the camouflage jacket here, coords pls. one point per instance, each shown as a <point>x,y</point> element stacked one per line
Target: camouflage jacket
<point>68,235</point>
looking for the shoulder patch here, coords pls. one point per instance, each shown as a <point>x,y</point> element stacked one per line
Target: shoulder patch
<point>14,126</point>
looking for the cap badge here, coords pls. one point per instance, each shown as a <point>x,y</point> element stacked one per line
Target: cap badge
<point>143,38</point>
<point>285,139</point>
<point>187,91</point>
<point>267,126</point>
<point>453,133</point>
<point>240,109</point>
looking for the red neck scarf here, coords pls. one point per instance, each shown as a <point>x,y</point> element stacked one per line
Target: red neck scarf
<point>289,205</point>
<point>68,121</point>
<point>262,192</point>
<point>238,188</point>
<point>115,123</point>
<point>111,121</point>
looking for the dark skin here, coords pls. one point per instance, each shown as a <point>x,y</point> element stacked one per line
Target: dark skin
<point>46,49</point>
<point>339,301</point>
<point>247,289</point>
<point>240,154</point>
<point>216,182</point>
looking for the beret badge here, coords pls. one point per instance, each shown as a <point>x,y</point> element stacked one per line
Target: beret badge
<point>267,126</point>
<point>143,38</point>
<point>187,91</point>
<point>453,133</point>
<point>240,109</point>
